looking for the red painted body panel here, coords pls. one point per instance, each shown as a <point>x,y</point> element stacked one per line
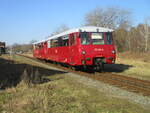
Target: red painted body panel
<point>59,54</point>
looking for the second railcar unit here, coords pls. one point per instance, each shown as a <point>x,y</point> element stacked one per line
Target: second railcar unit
<point>85,46</point>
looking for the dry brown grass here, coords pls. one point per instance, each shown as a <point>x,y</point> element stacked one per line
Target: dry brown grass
<point>139,64</point>
<point>135,55</point>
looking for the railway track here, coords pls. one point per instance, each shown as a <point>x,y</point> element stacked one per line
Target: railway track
<point>121,81</point>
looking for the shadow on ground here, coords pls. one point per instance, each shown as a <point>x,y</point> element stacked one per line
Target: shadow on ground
<point>116,67</point>
<point>12,73</point>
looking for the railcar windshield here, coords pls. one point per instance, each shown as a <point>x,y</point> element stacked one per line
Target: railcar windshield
<point>85,38</point>
<point>109,40</point>
<point>97,38</point>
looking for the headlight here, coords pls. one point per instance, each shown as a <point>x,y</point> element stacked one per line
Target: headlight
<point>83,52</point>
<point>113,52</point>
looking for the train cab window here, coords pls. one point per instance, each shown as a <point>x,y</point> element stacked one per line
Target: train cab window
<point>97,38</point>
<point>109,38</point>
<point>85,38</point>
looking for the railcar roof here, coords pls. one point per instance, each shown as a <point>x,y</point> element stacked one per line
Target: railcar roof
<point>80,29</point>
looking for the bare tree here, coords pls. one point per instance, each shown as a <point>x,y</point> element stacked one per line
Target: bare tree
<point>121,40</point>
<point>110,17</point>
<point>60,29</point>
<point>145,32</point>
<point>135,41</point>
<point>115,18</point>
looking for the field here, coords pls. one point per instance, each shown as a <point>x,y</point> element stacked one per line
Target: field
<point>134,65</point>
<point>54,91</point>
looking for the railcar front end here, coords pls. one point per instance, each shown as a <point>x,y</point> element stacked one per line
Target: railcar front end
<point>96,49</point>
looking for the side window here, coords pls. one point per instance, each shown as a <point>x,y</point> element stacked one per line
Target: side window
<point>72,40</point>
<point>45,44</point>
<point>38,46</point>
<point>85,38</point>
<point>65,40</point>
<point>54,43</point>
<point>109,38</point>
<point>41,45</point>
<point>60,41</point>
<point>49,44</point>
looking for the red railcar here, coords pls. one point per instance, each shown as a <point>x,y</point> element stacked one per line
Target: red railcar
<point>86,46</point>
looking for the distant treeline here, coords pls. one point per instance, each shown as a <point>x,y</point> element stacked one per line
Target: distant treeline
<point>21,48</point>
<point>136,39</point>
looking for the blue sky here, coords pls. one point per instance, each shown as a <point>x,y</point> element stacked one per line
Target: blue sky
<point>24,20</point>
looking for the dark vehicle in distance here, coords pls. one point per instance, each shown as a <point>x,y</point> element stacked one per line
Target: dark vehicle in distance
<point>2,48</point>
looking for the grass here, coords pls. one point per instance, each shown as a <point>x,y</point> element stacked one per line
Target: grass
<point>139,64</point>
<point>133,65</point>
<point>139,68</point>
<point>62,94</point>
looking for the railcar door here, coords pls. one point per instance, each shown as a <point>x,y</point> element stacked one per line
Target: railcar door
<point>72,49</point>
<point>45,50</point>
